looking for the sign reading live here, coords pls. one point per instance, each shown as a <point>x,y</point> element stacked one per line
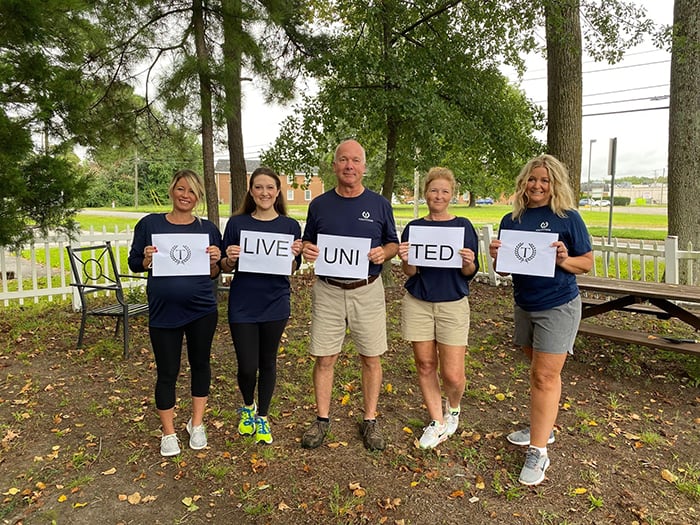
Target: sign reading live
<point>265,252</point>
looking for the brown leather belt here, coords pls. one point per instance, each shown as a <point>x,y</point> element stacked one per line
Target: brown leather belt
<point>351,285</point>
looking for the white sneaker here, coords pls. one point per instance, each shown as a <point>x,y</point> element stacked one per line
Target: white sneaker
<point>433,435</point>
<point>169,445</point>
<point>534,468</point>
<point>451,419</point>
<point>198,436</point>
<point>522,437</point>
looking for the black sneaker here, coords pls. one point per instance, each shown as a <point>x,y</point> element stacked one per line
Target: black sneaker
<point>315,434</point>
<point>371,437</point>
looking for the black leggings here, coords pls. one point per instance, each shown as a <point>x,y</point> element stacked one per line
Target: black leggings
<point>167,349</point>
<point>256,347</point>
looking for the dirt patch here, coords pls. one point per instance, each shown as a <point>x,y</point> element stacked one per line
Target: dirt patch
<point>79,434</point>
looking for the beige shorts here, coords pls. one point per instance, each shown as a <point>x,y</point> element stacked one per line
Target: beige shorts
<point>334,310</point>
<point>446,322</point>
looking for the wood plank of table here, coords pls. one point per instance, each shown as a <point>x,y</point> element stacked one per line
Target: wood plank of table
<point>605,285</point>
<point>637,338</point>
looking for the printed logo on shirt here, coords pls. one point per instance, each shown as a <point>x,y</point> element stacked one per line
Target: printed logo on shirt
<point>544,226</point>
<point>365,217</point>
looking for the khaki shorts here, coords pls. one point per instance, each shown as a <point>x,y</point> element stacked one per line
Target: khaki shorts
<point>334,310</point>
<point>445,322</point>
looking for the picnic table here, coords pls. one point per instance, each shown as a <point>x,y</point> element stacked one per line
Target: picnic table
<point>663,300</point>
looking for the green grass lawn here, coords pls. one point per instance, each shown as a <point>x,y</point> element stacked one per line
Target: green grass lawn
<point>626,224</point>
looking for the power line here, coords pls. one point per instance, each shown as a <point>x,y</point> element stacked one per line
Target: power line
<point>661,97</point>
<point>614,68</point>
<point>626,90</point>
<point>624,111</point>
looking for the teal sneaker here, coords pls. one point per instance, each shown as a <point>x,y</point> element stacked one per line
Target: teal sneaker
<point>263,434</point>
<point>246,426</point>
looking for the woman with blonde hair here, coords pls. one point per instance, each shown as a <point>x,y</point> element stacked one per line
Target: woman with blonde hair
<point>547,309</point>
<point>435,310</point>
<point>180,306</point>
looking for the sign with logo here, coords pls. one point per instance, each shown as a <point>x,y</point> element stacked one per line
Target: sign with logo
<point>265,252</point>
<point>527,253</point>
<point>180,254</point>
<point>341,256</point>
<point>435,246</point>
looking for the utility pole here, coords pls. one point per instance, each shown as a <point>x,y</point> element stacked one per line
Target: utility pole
<point>590,154</point>
<point>136,180</point>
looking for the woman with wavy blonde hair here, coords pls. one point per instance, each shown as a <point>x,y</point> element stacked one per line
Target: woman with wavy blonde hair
<point>547,309</point>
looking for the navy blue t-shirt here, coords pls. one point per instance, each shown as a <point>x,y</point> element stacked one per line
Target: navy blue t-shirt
<point>368,215</point>
<point>435,284</point>
<point>174,301</point>
<point>535,293</point>
<point>258,297</point>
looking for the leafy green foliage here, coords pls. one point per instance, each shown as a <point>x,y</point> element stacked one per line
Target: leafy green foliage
<point>418,84</point>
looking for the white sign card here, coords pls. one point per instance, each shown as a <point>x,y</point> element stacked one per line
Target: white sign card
<point>266,252</point>
<point>435,246</point>
<point>527,253</point>
<point>180,254</point>
<point>342,256</point>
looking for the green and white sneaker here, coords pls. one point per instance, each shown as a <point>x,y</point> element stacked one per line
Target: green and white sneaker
<point>263,434</point>
<point>451,417</point>
<point>433,435</point>
<point>246,425</point>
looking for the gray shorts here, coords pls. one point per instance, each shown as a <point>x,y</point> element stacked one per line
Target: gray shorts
<point>550,331</point>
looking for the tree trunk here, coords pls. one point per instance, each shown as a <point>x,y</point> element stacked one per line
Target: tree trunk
<point>232,16</point>
<point>564,86</point>
<point>684,131</point>
<point>391,165</point>
<point>205,97</point>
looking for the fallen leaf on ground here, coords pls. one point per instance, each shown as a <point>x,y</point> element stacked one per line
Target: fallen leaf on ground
<point>109,472</point>
<point>669,476</point>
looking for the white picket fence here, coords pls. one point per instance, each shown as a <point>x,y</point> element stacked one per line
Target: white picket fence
<point>30,275</point>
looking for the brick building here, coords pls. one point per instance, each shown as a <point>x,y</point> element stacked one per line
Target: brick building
<point>301,194</point>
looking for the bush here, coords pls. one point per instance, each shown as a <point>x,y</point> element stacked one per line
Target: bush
<point>621,201</point>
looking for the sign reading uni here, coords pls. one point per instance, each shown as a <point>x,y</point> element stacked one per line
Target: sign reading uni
<point>341,256</point>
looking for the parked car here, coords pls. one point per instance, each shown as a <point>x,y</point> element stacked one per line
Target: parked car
<point>601,202</point>
<point>586,202</point>
<point>484,200</point>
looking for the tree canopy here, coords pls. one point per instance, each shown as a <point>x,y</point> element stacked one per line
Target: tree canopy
<point>419,84</point>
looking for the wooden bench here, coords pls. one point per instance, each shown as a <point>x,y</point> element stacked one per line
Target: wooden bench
<point>637,338</point>
<point>664,300</point>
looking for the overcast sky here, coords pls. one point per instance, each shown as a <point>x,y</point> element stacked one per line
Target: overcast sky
<point>617,102</point>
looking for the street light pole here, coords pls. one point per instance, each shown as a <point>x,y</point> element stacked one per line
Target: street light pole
<point>590,152</point>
